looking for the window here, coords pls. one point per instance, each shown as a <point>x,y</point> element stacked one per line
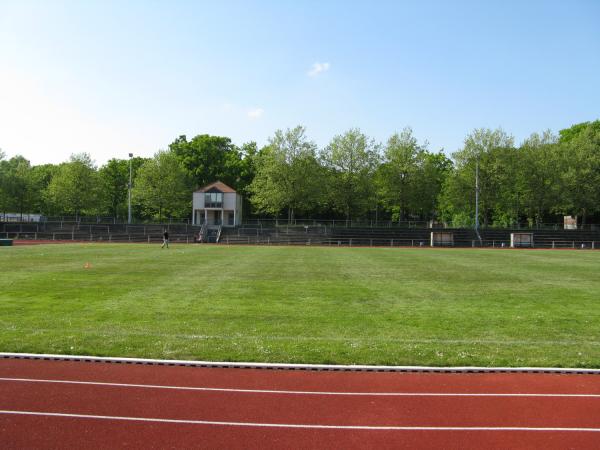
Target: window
<point>213,200</point>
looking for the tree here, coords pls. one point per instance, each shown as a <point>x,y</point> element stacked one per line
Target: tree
<point>568,134</point>
<point>160,187</point>
<point>41,177</point>
<point>249,152</point>
<point>74,188</point>
<point>206,159</point>
<point>288,175</point>
<point>434,169</point>
<point>21,185</point>
<point>493,152</point>
<point>539,179</point>
<point>351,160</point>
<point>579,149</point>
<point>114,179</point>
<point>17,189</point>
<point>4,197</point>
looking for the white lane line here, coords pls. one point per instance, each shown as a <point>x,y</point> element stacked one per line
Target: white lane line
<point>292,425</point>
<point>327,367</point>
<point>287,392</point>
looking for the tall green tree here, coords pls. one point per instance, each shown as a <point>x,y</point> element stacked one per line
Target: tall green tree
<point>74,188</point>
<point>161,188</point>
<point>579,148</point>
<point>288,175</point>
<point>21,185</point>
<point>539,180</point>
<point>17,188</point>
<point>114,176</point>
<point>493,151</point>
<point>208,158</point>
<point>587,128</point>
<point>41,177</point>
<point>351,160</point>
<point>410,178</point>
<point>4,174</point>
<point>114,179</point>
<point>249,152</point>
<point>434,168</point>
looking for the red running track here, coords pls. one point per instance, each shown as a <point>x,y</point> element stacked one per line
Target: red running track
<point>58,404</point>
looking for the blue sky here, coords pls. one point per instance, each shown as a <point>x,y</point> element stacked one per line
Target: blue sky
<point>111,78</point>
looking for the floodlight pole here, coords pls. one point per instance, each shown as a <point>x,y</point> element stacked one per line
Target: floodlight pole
<point>129,203</point>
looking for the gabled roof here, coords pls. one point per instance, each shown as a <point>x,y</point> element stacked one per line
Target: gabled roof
<point>218,186</point>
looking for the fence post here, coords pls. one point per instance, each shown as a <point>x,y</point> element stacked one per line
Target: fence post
<point>53,236</point>
<point>73,234</point>
<point>371,243</point>
<point>573,244</point>
<point>553,244</point>
<point>392,243</point>
<point>350,242</point>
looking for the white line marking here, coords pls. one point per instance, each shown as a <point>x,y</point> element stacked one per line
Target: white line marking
<point>288,392</point>
<point>257,365</point>
<point>292,425</point>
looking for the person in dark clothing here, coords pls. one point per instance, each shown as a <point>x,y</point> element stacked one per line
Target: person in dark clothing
<point>165,239</point>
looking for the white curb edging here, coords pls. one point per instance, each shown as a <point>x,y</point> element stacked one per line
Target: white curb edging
<point>311,367</point>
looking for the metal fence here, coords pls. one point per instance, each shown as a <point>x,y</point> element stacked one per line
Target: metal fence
<point>274,223</point>
<point>411,224</point>
<point>282,239</point>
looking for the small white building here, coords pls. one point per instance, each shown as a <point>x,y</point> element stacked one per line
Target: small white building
<point>216,204</point>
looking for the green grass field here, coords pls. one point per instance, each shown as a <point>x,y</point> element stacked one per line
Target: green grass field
<point>304,305</point>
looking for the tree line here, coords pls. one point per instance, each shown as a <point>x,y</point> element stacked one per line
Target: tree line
<point>353,177</point>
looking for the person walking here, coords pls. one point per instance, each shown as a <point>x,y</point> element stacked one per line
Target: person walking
<point>165,239</point>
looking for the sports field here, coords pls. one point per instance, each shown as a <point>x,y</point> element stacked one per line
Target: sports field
<point>303,304</point>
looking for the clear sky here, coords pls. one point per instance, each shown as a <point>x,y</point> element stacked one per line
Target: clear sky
<point>109,78</point>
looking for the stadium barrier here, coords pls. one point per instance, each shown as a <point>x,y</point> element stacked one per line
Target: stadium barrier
<point>287,234</point>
